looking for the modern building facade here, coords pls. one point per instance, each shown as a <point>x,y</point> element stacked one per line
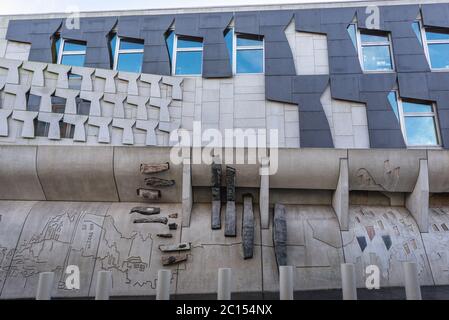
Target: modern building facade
<point>352,98</point>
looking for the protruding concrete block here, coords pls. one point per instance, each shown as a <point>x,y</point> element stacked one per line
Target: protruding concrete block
<point>4,115</point>
<point>94,98</point>
<point>37,68</point>
<point>175,82</point>
<point>286,282</point>
<point>418,201</point>
<point>70,96</point>
<point>119,103</point>
<point>150,127</point>
<point>154,81</point>
<point>54,131</point>
<point>63,74</point>
<point>104,285</point>
<point>127,126</point>
<point>131,78</point>
<point>109,76</point>
<point>224,284</point>
<point>86,74</point>
<point>45,93</point>
<point>162,104</point>
<point>13,70</point>
<point>264,195</point>
<point>20,91</point>
<point>340,198</point>
<point>79,122</point>
<point>348,280</point>
<point>411,279</point>
<point>103,124</point>
<point>45,286</point>
<point>141,103</point>
<point>187,192</point>
<point>163,285</point>
<point>27,117</point>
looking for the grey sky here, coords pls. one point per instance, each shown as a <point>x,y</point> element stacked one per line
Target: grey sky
<point>47,6</point>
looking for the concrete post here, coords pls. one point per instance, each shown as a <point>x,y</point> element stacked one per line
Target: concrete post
<point>163,285</point>
<point>412,288</point>
<point>264,195</point>
<point>104,285</point>
<point>224,284</point>
<point>286,282</point>
<point>418,201</point>
<point>348,280</point>
<point>45,286</point>
<point>340,198</point>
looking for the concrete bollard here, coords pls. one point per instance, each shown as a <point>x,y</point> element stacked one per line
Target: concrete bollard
<point>412,287</point>
<point>45,286</point>
<point>104,285</point>
<point>224,284</point>
<point>348,281</point>
<point>286,282</point>
<point>163,285</point>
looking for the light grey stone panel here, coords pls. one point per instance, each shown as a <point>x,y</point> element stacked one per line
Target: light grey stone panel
<point>13,70</point>
<point>63,74</point>
<point>141,103</point>
<point>154,81</point>
<point>45,93</point>
<point>27,117</point>
<point>109,76</point>
<point>94,98</point>
<point>86,74</point>
<point>150,127</point>
<point>37,68</point>
<point>70,95</point>
<point>127,126</point>
<point>4,115</point>
<point>102,123</point>
<point>119,103</point>
<point>176,83</point>
<point>79,122</point>
<point>438,170</point>
<point>131,78</point>
<point>54,131</point>
<point>20,91</point>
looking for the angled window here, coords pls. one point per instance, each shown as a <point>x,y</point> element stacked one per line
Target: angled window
<point>374,49</point>
<point>186,54</point>
<point>127,54</point>
<point>437,48</point>
<point>70,52</point>
<point>418,121</point>
<point>246,52</point>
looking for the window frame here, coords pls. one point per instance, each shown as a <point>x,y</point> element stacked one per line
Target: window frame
<point>62,52</point>
<point>402,117</point>
<point>175,54</point>
<point>117,51</point>
<point>426,42</point>
<point>234,53</point>
<point>360,46</point>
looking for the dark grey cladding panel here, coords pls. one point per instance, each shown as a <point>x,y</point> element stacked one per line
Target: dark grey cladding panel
<point>386,139</point>
<point>413,86</point>
<point>309,21</point>
<point>436,15</point>
<point>130,27</point>
<point>247,22</point>
<point>345,87</point>
<point>279,88</point>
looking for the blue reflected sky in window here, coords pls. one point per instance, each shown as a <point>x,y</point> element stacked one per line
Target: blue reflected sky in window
<point>439,55</point>
<point>377,58</point>
<point>353,34</point>
<point>416,107</point>
<point>392,98</point>
<point>131,44</point>
<point>74,46</point>
<point>250,61</point>
<point>421,131</point>
<point>130,62</point>
<point>169,40</point>
<point>249,41</point>
<point>189,62</point>
<point>228,35</point>
<point>113,44</point>
<point>57,46</point>
<point>365,37</point>
<point>435,35</point>
<point>73,60</point>
<point>417,29</point>
<point>189,42</point>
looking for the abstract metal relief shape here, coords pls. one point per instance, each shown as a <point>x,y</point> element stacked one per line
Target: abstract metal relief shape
<point>280,235</point>
<point>248,227</point>
<point>230,215</point>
